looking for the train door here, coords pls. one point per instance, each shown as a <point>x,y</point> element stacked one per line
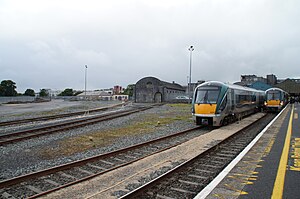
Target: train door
<point>231,99</point>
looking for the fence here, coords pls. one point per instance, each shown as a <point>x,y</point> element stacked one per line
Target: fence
<point>16,99</point>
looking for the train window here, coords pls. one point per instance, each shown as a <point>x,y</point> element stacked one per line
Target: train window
<point>207,95</point>
<point>273,95</point>
<point>223,104</point>
<point>243,99</point>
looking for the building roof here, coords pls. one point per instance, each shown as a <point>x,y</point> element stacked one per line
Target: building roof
<point>172,85</point>
<point>157,81</point>
<point>290,85</point>
<point>260,86</point>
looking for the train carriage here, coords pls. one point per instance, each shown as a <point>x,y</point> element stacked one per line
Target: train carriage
<point>216,103</point>
<point>276,99</point>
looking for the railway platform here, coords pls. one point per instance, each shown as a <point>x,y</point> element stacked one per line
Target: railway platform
<point>270,169</point>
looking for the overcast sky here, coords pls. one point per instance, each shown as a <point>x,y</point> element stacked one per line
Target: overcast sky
<point>47,43</point>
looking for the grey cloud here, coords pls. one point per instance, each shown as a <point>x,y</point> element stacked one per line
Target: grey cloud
<point>46,44</point>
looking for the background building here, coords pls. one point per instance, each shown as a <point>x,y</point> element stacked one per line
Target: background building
<point>153,90</point>
<point>291,86</point>
<point>259,83</point>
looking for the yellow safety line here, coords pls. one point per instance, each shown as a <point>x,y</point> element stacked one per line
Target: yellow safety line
<point>279,182</point>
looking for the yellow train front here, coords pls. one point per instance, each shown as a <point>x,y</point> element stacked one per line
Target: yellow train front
<point>276,99</point>
<point>216,103</point>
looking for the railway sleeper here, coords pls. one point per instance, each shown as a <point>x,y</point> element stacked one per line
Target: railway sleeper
<point>119,160</point>
<point>106,162</point>
<point>197,176</point>
<point>226,155</point>
<point>52,182</point>
<point>219,163</point>
<point>84,171</point>
<point>96,167</point>
<point>178,193</point>
<point>182,190</point>
<point>7,195</point>
<point>130,156</point>
<point>232,151</point>
<point>67,175</point>
<point>191,183</point>
<point>204,171</point>
<point>208,166</point>
<point>221,158</point>
<point>159,196</point>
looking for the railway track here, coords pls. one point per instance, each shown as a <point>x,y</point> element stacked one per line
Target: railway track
<point>43,182</point>
<point>189,178</point>
<point>45,118</point>
<point>66,125</point>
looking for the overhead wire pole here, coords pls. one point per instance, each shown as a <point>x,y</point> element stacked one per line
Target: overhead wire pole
<point>85,98</point>
<point>191,48</point>
<point>85,79</point>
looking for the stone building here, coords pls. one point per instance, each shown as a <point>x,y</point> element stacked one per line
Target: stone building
<point>247,80</point>
<point>153,90</point>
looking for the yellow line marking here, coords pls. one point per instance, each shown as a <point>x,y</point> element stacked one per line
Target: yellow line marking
<point>294,168</point>
<point>279,182</point>
<point>296,155</point>
<point>241,192</point>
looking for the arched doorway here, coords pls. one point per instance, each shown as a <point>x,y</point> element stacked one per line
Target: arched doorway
<point>158,97</point>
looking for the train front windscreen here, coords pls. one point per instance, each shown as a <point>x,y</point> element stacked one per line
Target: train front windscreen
<point>206,99</point>
<point>207,95</point>
<point>273,95</point>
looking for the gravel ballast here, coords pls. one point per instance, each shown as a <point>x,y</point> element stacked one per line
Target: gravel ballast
<point>29,155</point>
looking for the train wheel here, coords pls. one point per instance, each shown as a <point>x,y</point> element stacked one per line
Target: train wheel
<point>224,122</point>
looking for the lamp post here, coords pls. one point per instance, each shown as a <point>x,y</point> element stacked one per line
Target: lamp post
<point>191,48</point>
<point>85,79</point>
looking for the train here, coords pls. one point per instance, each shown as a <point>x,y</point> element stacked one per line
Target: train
<point>215,103</point>
<point>275,99</point>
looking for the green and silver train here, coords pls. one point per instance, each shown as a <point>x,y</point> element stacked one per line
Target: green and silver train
<point>215,103</point>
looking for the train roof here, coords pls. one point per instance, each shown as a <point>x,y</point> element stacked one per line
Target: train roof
<point>275,89</point>
<point>233,86</point>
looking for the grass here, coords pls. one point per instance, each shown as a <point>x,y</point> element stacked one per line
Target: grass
<point>142,125</point>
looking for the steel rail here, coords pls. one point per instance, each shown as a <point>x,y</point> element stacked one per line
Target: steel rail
<point>142,191</point>
<point>28,177</point>
<point>54,128</point>
<point>43,118</point>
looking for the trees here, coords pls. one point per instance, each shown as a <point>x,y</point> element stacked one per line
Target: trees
<point>129,90</point>
<point>7,88</point>
<point>29,92</point>
<point>44,93</point>
<point>67,92</point>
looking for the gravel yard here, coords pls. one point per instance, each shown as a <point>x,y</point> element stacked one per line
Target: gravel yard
<point>60,148</point>
<point>30,110</point>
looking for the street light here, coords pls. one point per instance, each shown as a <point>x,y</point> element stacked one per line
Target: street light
<point>85,78</point>
<point>191,48</point>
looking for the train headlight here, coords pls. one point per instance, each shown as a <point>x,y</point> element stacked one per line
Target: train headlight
<point>281,103</point>
<point>266,103</point>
